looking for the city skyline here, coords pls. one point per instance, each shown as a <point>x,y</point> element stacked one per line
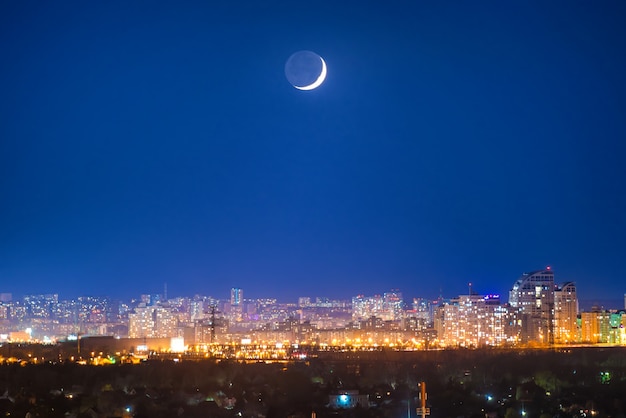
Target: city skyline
<point>149,144</point>
<point>224,293</point>
<point>539,312</point>
<point>585,301</point>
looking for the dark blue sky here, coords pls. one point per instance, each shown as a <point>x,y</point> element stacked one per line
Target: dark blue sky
<point>147,142</point>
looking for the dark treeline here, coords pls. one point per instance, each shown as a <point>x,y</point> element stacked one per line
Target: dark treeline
<point>460,383</point>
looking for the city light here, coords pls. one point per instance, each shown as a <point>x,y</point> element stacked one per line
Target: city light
<point>266,329</point>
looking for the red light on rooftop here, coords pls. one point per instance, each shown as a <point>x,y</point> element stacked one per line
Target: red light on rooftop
<point>548,268</point>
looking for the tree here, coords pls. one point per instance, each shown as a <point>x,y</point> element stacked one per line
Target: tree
<point>511,413</point>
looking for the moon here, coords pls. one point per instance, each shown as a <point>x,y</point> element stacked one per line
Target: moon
<point>305,70</point>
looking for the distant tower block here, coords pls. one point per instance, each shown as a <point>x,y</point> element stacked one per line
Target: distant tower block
<point>236,296</point>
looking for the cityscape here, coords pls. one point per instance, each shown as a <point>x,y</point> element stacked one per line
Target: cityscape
<point>268,209</point>
<point>538,312</point>
<point>531,353</point>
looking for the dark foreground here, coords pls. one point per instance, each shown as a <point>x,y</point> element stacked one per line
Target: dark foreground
<point>577,382</point>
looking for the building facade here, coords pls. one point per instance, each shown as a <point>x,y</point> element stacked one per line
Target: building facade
<point>152,322</point>
<point>533,295</point>
<point>565,314</point>
<point>472,321</point>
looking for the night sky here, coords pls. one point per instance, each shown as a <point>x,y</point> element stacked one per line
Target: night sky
<point>145,142</point>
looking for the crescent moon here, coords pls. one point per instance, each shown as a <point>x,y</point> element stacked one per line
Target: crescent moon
<point>319,80</point>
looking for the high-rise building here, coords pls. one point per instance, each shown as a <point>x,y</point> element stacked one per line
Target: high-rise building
<point>40,306</point>
<point>152,322</point>
<point>4,312</point>
<point>393,305</point>
<point>595,326</point>
<point>617,333</point>
<point>235,310</point>
<point>422,310</point>
<point>533,295</point>
<point>475,321</point>
<point>236,296</point>
<point>389,307</point>
<point>141,322</point>
<point>196,310</point>
<point>565,314</point>
<point>364,307</point>
<point>166,322</point>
